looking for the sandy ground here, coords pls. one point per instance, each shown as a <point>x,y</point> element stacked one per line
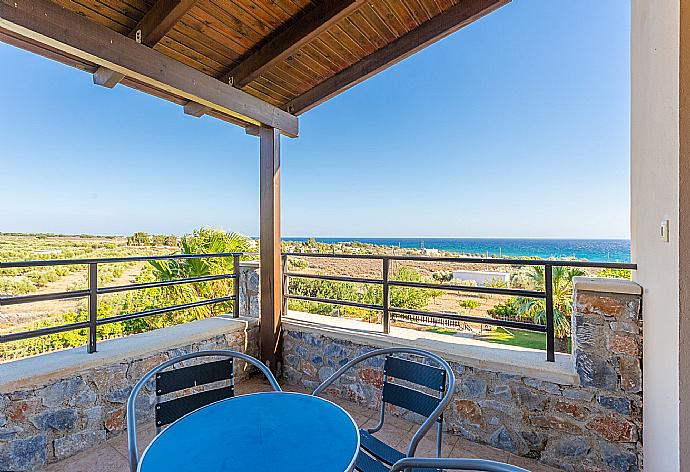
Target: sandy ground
<point>14,317</point>
<point>448,302</point>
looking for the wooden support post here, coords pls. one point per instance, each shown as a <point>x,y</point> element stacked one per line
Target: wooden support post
<point>269,234</point>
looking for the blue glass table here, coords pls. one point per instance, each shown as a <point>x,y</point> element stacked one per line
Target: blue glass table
<point>261,432</point>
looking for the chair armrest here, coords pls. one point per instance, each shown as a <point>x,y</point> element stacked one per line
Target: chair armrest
<point>454,464</point>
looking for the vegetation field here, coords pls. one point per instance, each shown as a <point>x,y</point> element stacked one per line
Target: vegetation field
<point>23,281</point>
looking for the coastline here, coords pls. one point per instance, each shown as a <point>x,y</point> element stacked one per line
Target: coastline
<point>599,250</point>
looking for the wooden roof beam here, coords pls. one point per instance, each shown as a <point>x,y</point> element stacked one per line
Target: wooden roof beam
<point>290,40</point>
<point>49,24</point>
<point>438,27</point>
<point>285,43</point>
<point>155,24</point>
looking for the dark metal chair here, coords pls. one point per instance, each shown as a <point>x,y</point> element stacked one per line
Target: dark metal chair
<point>453,464</point>
<point>172,381</point>
<point>375,455</point>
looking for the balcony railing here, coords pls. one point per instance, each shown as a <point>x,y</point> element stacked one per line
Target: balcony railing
<point>387,283</point>
<point>94,291</point>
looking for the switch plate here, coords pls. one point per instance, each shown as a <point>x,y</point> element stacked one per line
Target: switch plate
<point>663,231</point>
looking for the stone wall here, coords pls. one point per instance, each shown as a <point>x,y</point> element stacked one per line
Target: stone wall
<point>249,289</point>
<point>590,425</point>
<point>52,415</point>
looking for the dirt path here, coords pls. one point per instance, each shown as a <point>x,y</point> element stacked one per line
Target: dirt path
<point>14,317</point>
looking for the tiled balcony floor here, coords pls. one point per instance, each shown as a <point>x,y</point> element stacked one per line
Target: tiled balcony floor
<point>111,456</point>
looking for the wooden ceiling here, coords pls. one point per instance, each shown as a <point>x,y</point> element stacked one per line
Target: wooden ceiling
<point>292,54</point>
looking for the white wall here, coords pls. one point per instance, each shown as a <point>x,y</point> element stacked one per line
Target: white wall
<point>481,277</point>
<point>655,195</point>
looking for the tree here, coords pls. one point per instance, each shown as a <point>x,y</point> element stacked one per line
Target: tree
<point>139,239</point>
<point>201,241</point>
<point>170,240</point>
<point>535,308</point>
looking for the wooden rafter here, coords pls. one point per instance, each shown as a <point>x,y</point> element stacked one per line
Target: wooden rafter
<point>285,43</point>
<point>302,31</point>
<point>438,27</point>
<point>45,23</point>
<point>155,24</point>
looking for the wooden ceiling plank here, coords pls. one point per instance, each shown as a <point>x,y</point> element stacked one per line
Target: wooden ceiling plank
<point>429,32</point>
<point>346,41</point>
<point>267,82</point>
<point>116,7</point>
<point>151,28</point>
<point>244,34</point>
<point>203,28</point>
<point>272,18</point>
<point>432,7</point>
<point>249,20</point>
<point>188,57</point>
<point>334,44</point>
<point>267,98</point>
<point>383,31</point>
<point>311,25</point>
<point>388,18</point>
<point>282,84</point>
<point>270,90</point>
<point>94,15</point>
<point>351,25</point>
<point>402,14</point>
<point>141,6</point>
<point>295,70</point>
<point>323,60</point>
<point>208,47</point>
<point>272,10</point>
<point>332,56</point>
<point>337,51</point>
<point>47,23</point>
<point>418,10</point>
<point>289,81</point>
<point>307,62</point>
<point>289,9</point>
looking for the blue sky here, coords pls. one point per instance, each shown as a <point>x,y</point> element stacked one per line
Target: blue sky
<point>516,126</point>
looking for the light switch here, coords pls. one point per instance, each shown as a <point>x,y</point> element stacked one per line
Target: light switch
<point>663,231</point>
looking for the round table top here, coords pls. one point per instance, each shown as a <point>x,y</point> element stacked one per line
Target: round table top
<point>259,432</point>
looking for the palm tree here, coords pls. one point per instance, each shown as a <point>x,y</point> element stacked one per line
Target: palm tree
<point>535,308</point>
<point>201,241</point>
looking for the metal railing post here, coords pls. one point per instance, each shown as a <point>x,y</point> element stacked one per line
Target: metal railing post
<point>386,291</point>
<point>93,305</point>
<point>236,287</point>
<point>550,332</point>
<point>285,281</point>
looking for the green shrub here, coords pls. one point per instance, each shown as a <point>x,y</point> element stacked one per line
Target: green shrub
<point>505,310</point>
<point>298,263</point>
<point>469,304</point>
<point>442,276</point>
<point>16,285</point>
<point>615,273</point>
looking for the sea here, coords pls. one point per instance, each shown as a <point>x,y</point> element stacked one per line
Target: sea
<point>599,250</point>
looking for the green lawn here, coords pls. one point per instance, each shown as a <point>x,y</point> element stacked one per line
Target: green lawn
<point>515,337</point>
<point>510,336</point>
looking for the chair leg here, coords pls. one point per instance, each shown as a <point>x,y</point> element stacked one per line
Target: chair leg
<point>439,439</point>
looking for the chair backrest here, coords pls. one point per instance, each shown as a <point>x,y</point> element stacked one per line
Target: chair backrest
<point>172,381</point>
<point>186,377</point>
<point>415,372</point>
<point>425,375</point>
